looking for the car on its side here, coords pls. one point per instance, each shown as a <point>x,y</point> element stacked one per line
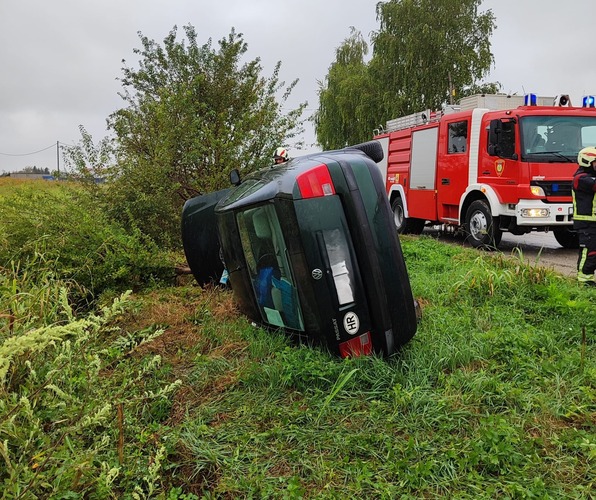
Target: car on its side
<point>310,246</point>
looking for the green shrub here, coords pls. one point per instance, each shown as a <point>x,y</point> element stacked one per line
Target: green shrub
<point>64,227</point>
<point>74,419</point>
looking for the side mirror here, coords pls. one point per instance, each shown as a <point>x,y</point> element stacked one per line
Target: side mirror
<point>235,177</point>
<point>501,138</point>
<point>494,132</point>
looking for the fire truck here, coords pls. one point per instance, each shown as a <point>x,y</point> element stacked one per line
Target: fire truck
<point>493,163</point>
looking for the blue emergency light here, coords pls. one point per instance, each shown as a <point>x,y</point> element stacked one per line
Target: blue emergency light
<point>530,100</point>
<point>588,101</point>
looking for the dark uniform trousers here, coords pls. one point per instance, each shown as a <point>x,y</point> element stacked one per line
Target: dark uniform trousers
<point>586,262</point>
<point>584,222</point>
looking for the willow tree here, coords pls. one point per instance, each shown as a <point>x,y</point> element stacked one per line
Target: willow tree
<point>423,50</point>
<point>344,98</point>
<point>426,48</point>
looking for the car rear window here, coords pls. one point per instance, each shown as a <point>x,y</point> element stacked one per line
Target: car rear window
<point>269,268</point>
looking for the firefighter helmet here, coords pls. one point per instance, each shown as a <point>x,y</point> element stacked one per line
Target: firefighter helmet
<point>281,155</point>
<point>586,157</point>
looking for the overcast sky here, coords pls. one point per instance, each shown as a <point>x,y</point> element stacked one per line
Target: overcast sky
<point>60,60</point>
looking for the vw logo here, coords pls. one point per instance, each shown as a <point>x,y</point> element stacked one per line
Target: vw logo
<point>317,274</point>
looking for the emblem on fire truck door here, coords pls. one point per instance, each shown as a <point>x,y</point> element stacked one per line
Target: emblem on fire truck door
<point>499,167</point>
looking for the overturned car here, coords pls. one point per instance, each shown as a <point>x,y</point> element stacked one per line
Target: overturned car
<point>309,246</point>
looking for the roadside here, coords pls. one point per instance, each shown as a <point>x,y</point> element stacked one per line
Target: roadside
<point>542,249</point>
<point>535,248</point>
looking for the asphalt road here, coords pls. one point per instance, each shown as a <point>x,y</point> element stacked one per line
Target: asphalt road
<point>536,248</point>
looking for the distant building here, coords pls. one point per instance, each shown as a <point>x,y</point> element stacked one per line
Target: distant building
<point>48,177</point>
<point>30,176</point>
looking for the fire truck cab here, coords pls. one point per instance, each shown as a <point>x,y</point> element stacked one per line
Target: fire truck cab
<point>494,163</point>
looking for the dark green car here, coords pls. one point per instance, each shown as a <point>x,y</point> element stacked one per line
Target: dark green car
<point>310,246</point>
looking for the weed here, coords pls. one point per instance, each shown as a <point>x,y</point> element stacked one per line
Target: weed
<point>78,243</point>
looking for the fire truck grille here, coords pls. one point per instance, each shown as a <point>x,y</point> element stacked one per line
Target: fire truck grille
<point>554,188</point>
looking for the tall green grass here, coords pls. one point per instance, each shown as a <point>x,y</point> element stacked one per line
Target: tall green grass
<point>62,225</point>
<point>169,393</point>
<point>494,397</point>
<point>66,392</point>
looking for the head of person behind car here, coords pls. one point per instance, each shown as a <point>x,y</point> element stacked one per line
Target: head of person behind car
<point>281,156</point>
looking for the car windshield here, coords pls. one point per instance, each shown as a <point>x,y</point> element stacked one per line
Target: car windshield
<point>556,138</point>
<point>269,268</point>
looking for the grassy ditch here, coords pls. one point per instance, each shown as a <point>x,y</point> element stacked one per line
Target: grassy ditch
<point>170,393</point>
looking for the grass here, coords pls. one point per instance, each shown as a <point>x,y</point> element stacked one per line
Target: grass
<point>170,393</point>
<point>58,226</point>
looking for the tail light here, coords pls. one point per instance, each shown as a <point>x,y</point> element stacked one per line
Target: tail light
<point>315,182</point>
<point>358,346</point>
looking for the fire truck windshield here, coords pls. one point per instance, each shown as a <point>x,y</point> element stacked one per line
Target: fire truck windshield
<point>556,138</point>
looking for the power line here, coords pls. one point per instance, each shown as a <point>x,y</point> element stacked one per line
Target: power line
<point>28,154</point>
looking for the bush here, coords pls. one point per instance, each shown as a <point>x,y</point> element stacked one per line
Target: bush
<point>77,241</point>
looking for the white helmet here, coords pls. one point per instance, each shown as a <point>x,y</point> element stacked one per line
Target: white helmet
<point>281,154</point>
<point>586,157</point>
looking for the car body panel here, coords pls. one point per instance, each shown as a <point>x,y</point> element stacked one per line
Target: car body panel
<point>200,238</point>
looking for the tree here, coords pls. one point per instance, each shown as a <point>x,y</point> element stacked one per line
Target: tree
<point>344,99</point>
<point>424,46</point>
<point>192,113</point>
<point>90,160</point>
<point>422,51</point>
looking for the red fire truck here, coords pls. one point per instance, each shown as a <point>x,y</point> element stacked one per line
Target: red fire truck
<point>494,163</point>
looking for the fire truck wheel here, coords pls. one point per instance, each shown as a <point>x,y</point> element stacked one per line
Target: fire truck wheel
<point>482,229</point>
<point>566,237</point>
<point>405,225</point>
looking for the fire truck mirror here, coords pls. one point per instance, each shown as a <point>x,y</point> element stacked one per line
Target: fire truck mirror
<point>501,138</point>
<point>494,132</point>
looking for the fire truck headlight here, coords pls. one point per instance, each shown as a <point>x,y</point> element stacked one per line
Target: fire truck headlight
<point>537,191</point>
<point>535,212</point>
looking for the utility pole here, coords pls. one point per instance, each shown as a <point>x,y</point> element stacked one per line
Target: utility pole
<point>58,156</point>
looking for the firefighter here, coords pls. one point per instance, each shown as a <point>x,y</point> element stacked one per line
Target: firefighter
<point>281,156</point>
<point>584,214</point>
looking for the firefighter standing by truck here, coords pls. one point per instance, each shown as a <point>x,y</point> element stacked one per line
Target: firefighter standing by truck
<point>584,215</point>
